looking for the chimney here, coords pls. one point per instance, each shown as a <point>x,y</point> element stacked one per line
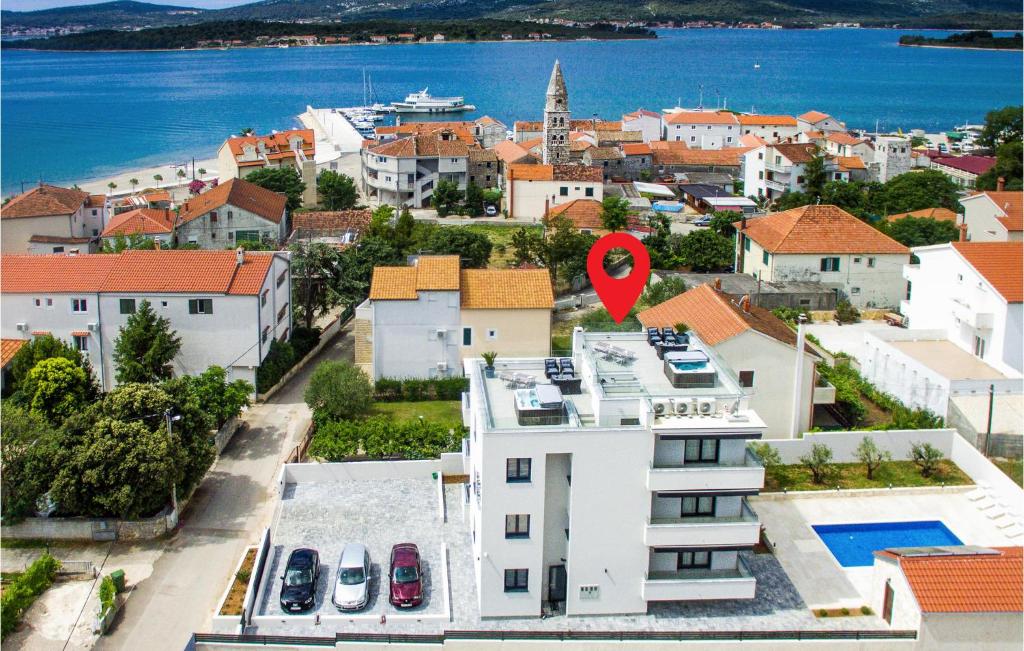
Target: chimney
<point>743,222</point>
<point>1000,184</point>
<point>156,244</point>
<point>963,232</point>
<point>547,207</point>
<point>240,256</point>
<point>745,303</point>
<point>718,284</point>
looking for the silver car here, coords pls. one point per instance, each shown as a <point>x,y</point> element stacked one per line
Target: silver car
<point>351,587</point>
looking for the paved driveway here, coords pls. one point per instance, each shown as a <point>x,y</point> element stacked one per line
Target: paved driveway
<point>234,502</point>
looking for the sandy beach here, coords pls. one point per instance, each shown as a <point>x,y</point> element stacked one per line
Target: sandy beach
<point>170,179</point>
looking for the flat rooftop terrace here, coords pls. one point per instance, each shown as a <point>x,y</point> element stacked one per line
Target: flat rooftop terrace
<point>948,359</point>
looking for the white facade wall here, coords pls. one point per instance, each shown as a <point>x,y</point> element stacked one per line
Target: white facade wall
<point>703,136</point>
<point>529,198</point>
<point>406,343</point>
<point>771,132</point>
<point>753,172</point>
<point>649,126</point>
<point>827,125</point>
<point>980,215</point>
<point>221,234</point>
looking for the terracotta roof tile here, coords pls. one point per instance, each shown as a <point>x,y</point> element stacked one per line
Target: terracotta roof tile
<point>504,289</point>
<point>43,201</point>
<point>940,214</point>
<point>969,164</point>
<point>1012,206</point>
<point>750,140</point>
<point>801,152</point>
<point>331,222</point>
<point>510,152</point>
<point>9,348</point>
<point>636,149</point>
<point>523,172</point>
<point>584,213</point>
<point>393,284</point>
<point>59,274</point>
<point>430,273</point>
<point>847,163</point>
<point>767,120</point>
<point>842,138</point>
<point>604,153</point>
<point>141,221</point>
<point>701,117</point>
<point>1000,263</point>
<point>819,229</point>
<point>432,144</point>
<point>276,145</point>
<point>721,157</point>
<point>978,583</point>
<point>437,272</point>
<point>813,116</point>
<point>240,194</point>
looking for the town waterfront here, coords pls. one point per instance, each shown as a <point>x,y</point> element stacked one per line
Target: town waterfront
<point>68,117</point>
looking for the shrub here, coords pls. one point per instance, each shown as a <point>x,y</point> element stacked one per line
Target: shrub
<point>339,390</point>
<point>107,593</point>
<point>822,613</point>
<point>819,462</point>
<point>845,611</point>
<point>380,437</point>
<point>21,592</point>
<point>787,314</point>
<point>864,610</point>
<point>243,575</point>
<point>769,455</point>
<point>926,457</point>
<point>846,313</point>
<point>304,340</point>
<point>869,454</point>
<point>278,361</point>
<point>418,390</point>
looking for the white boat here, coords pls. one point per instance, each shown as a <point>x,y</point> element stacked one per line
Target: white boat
<point>422,102</point>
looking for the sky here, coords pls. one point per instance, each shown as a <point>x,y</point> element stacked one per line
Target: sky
<point>31,5</point>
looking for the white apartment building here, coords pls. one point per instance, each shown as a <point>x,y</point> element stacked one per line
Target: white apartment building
<point>770,128</point>
<point>994,216</point>
<point>890,158</point>
<point>52,219</point>
<point>824,244</point>
<point>820,122</point>
<point>702,129</point>
<point>771,170</point>
<point>404,172</point>
<point>618,487</point>
<point>226,306</point>
<point>240,156</point>
<point>231,213</point>
<point>646,122</point>
<point>531,190</point>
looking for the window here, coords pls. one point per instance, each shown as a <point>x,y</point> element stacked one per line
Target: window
<point>213,217</point>
<point>231,214</point>
<point>563,191</point>
<point>163,304</point>
<point>517,525</point>
<point>855,290</point>
<point>282,313</point>
<point>830,264</point>
<point>760,175</point>
<point>263,297</point>
<point>517,580</point>
<point>492,334</point>
<point>805,302</point>
<point>95,232</point>
<point>58,249</point>
<point>517,469</point>
<point>856,261</point>
<point>247,236</point>
<point>265,334</point>
<point>701,451</point>
<point>213,235</point>
<point>467,336</point>
<point>871,263</point>
<point>588,192</point>
<point>746,244</point>
<point>690,560</point>
<point>82,343</point>
<point>799,180</point>
<point>746,379</point>
<point>127,305</point>
<point>200,306</point>
<point>281,278</point>
<point>764,257</point>
<point>38,302</point>
<point>94,212</point>
<point>760,155</point>
<point>692,507</point>
<point>79,305</point>
<point>693,138</point>
<point>979,347</point>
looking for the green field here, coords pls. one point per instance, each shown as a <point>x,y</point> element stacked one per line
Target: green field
<point>1013,469</point>
<point>853,475</point>
<point>446,411</point>
<point>499,235</point>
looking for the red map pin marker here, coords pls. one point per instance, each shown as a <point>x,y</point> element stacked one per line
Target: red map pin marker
<point>618,294</point>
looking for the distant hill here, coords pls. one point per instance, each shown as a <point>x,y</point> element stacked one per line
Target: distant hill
<point>128,14</point>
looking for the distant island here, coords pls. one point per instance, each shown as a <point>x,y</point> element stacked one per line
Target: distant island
<point>252,33</point>
<point>980,40</point>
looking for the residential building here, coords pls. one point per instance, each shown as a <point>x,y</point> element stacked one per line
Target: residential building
<point>485,131</point>
<point>531,190</point>
<point>151,199</point>
<point>825,244</point>
<point>405,172</point>
<point>758,346</point>
<point>771,170</point>
<point>422,320</point>
<point>819,122</point>
<point>954,597</point>
<point>609,160</point>
<point>770,128</point>
<point>938,214</point>
<point>339,228</point>
<point>994,216</point>
<point>840,143</point>
<point>963,170</point>
<point>555,133</point>
<point>585,214</point>
<point>150,223</point>
<point>712,198</point>
<point>637,157</point>
<point>51,219</point>
<point>648,123</point>
<point>890,158</point>
<point>483,167</point>
<point>233,212</point>
<point>801,295</point>
<point>669,464</point>
<point>671,157</point>
<point>226,306</point>
<point>702,129</point>
<point>240,156</point>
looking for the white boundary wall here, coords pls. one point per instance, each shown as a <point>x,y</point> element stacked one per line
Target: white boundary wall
<point>296,473</point>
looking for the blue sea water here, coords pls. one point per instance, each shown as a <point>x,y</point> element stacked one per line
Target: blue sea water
<point>854,545</point>
<point>73,116</point>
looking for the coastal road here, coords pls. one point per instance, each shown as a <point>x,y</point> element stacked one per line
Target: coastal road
<point>227,512</point>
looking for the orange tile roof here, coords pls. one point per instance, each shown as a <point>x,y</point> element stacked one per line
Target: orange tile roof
<point>523,172</point>
<point>970,583</point>
<point>850,163</point>
<point>510,152</point>
<point>9,348</point>
<point>819,229</point>
<point>750,140</point>
<point>430,273</point>
<point>640,113</point>
<point>393,284</point>
<point>579,173</point>
<point>97,200</point>
<point>814,116</point>
<point>814,135</point>
<point>715,317</point>
<point>276,145</point>
<point>437,272</point>
<point>682,156</point>
<point>141,221</point>
<point>1012,205</point>
<point>170,271</point>
<point>43,201</point>
<point>608,125</point>
<point>604,153</point>
<point>507,289</point>
<point>636,149</point>
<point>797,152</point>
<point>331,222</point>
<point>767,120</point>
<point>240,194</point>
<point>940,214</point>
<point>1000,263</point>
<point>842,138</point>
<point>432,144</point>
<point>461,130</point>
<point>701,117</point>
<point>584,213</point>
<point>531,143</point>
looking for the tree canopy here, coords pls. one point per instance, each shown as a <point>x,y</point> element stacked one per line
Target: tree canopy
<point>473,249</point>
<point>338,390</point>
<point>145,346</point>
<point>285,180</point>
<point>615,213</point>
<point>446,197</point>
<point>337,191</point>
<point>920,231</point>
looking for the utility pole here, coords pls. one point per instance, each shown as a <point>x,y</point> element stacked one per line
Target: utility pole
<point>170,424</point>
<point>988,429</point>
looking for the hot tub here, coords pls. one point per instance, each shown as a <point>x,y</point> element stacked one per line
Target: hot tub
<point>690,369</point>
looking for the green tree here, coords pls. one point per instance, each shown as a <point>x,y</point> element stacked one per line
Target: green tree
<point>196,405</point>
<point>403,233</point>
<point>722,222</point>
<point>158,178</point>
<point>202,171</point>
<point>355,267</point>
<point>562,250</point>
<point>29,456</point>
<point>815,175</point>
<point>916,191</point>
<point>446,198</point>
<point>920,231</point>
<point>338,390</point>
<point>380,223</point>
<point>314,280</point>
<point>133,182</point>
<point>926,457</point>
<point>1002,126</point>
<point>1009,167</point>
<point>283,180</point>
<point>131,242</point>
<point>56,388</point>
<point>872,458</point>
<point>473,249</point>
<point>767,453</point>
<point>220,399</point>
<point>614,213</point>
<point>851,196</point>
<point>474,202</point>
<point>819,462</point>
<point>145,346</point>
<point>337,191</point>
<point>492,196</point>
<point>706,250</point>
<point>111,186</point>
<point>182,174</point>
<point>45,347</point>
<point>659,292</point>
<point>658,243</point>
<point>789,200</point>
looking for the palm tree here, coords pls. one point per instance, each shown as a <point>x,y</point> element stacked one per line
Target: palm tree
<point>133,182</point>
<point>111,185</point>
<point>248,131</point>
<point>158,178</point>
<point>181,174</point>
<point>202,171</point>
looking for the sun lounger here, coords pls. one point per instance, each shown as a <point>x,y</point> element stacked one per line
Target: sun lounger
<point>1005,522</point>
<point>508,378</point>
<point>995,513</point>
<point>985,503</point>
<point>1013,531</point>
<point>977,494</point>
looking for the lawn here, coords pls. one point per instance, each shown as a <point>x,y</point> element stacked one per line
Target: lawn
<point>1012,468</point>
<point>444,411</point>
<point>854,475</point>
<point>500,235</point>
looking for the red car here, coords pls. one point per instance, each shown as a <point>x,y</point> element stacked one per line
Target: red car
<point>406,576</point>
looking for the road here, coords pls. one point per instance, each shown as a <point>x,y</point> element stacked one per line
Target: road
<point>227,512</point>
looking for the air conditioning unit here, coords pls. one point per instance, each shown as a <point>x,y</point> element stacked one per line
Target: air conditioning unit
<point>662,406</point>
<point>94,327</point>
<point>682,407</point>
<point>441,332</point>
<point>442,366</point>
<point>22,327</point>
<point>707,406</point>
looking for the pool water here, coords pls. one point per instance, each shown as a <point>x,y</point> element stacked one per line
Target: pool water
<point>853,544</point>
<point>689,366</point>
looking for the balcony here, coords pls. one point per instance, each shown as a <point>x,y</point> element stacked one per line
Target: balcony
<point>742,529</point>
<point>980,320</point>
<point>699,584</point>
<point>748,475</point>
<point>824,393</point>
<point>774,184</point>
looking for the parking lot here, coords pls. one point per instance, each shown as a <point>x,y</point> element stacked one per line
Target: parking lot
<point>377,513</point>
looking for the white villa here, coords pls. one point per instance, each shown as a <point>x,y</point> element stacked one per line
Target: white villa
<point>994,216</point>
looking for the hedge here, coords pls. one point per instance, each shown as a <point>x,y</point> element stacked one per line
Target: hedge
<point>283,355</point>
<point>21,592</point>
<point>851,386</point>
<point>380,437</point>
<point>416,390</point>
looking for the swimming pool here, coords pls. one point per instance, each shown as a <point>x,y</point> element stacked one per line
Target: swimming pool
<point>853,544</point>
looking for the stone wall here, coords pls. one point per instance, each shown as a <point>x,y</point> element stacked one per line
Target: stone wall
<point>92,528</point>
<point>363,341</point>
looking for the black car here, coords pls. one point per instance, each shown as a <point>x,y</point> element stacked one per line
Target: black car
<point>298,587</point>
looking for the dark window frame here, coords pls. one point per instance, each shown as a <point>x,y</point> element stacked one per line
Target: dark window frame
<point>514,470</point>
<point>127,301</point>
<point>517,525</point>
<point>688,560</point>
<point>746,379</point>
<point>517,580</point>
<point>697,511</point>
<point>194,305</point>
<point>701,455</point>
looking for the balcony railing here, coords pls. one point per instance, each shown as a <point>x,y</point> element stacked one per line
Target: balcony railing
<point>736,530</point>
<point>700,584</point>
<point>824,393</point>
<point>746,475</point>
